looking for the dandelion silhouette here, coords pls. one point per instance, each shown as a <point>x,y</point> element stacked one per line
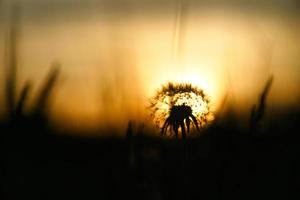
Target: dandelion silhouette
<point>176,105</point>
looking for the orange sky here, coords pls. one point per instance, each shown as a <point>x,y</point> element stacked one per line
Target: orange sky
<point>112,63</point>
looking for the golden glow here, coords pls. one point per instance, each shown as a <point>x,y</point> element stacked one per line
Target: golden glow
<point>111,67</point>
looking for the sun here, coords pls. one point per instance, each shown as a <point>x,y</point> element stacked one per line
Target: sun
<point>172,95</point>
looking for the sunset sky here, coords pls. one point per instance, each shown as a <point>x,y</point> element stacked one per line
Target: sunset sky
<point>116,53</point>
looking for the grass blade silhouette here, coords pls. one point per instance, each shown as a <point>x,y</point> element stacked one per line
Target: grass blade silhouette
<point>46,91</point>
<point>22,100</point>
<point>12,62</point>
<point>259,111</point>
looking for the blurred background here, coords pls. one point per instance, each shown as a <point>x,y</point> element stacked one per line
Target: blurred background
<point>114,54</point>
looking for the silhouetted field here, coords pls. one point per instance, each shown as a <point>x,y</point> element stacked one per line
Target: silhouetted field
<point>222,163</point>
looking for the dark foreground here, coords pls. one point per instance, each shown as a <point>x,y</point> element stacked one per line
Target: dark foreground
<point>221,164</point>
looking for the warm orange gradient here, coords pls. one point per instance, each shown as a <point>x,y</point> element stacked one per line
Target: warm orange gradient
<point>112,65</point>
